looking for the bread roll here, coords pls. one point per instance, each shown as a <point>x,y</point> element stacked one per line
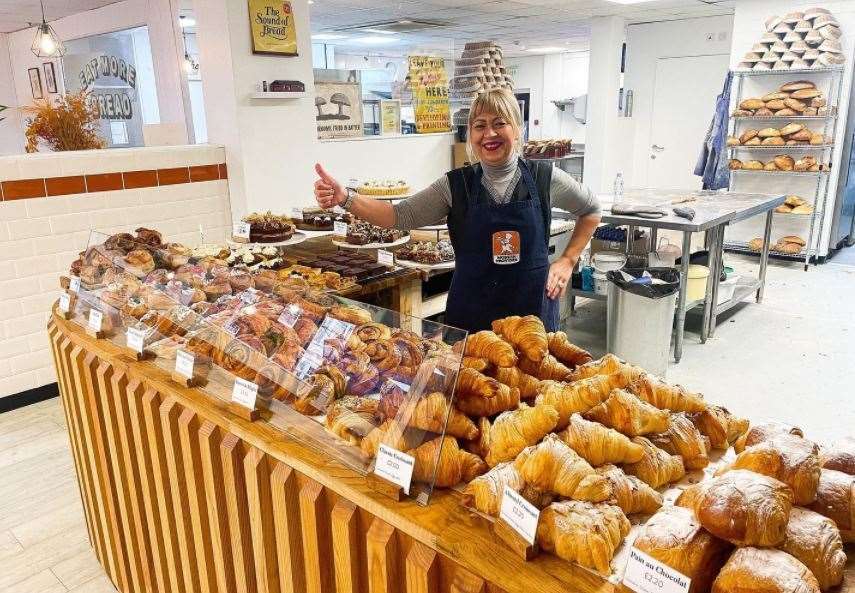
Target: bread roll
<point>784,162</point>
<point>793,239</point>
<point>775,96</point>
<point>802,135</point>
<point>757,570</point>
<point>769,132</point>
<point>788,248</point>
<point>747,135</point>
<point>773,141</point>
<point>840,456</point>
<point>809,111</point>
<point>755,244</point>
<point>835,499</point>
<point>734,164</point>
<point>795,105</point>
<point>785,111</point>
<point>755,141</point>
<point>752,104</point>
<point>752,165</point>
<point>775,104</point>
<point>796,86</point>
<point>732,141</point>
<point>783,209</point>
<point>817,139</point>
<point>793,201</point>
<point>806,94</point>
<point>791,128</point>
<point>770,166</point>
<point>764,111</point>
<point>818,102</point>
<point>815,541</point>
<point>803,209</point>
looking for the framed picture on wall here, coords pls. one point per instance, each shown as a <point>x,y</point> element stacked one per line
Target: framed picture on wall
<point>271,23</point>
<point>36,83</point>
<point>50,77</point>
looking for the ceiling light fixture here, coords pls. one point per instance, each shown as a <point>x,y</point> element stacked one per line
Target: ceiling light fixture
<point>327,37</point>
<point>382,31</point>
<point>186,21</point>
<point>377,39</point>
<point>47,43</point>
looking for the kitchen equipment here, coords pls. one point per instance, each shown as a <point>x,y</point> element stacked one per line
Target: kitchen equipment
<point>696,286</point>
<point>666,254</point>
<point>601,284</point>
<point>606,261</point>
<point>726,289</point>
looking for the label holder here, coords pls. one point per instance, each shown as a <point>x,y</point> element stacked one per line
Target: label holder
<point>503,530</point>
<point>71,299</point>
<point>133,353</point>
<point>95,324</point>
<point>241,395</point>
<point>193,380</point>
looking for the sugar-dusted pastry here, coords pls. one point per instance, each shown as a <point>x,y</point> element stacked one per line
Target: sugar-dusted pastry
<point>577,397</point>
<point>549,368</point>
<point>515,430</point>
<point>684,439</point>
<point>629,493</point>
<point>442,462</point>
<point>835,499</point>
<point>675,398</point>
<point>565,351</point>
<point>674,537</point>
<point>484,493</point>
<point>582,532</point>
<point>629,415</point>
<point>742,507</point>
<point>513,377</point>
<point>526,334</point>
<point>840,456</point>
<point>763,570</point>
<point>815,541</point>
<point>486,344</point>
<point>598,444</point>
<point>554,467</point>
<point>762,431</point>
<point>656,467</point>
<point>722,427</point>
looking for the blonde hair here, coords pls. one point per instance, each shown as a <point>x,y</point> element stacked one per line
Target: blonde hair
<point>504,104</point>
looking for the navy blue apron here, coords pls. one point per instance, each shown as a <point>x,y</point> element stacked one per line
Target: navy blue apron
<point>501,251</point>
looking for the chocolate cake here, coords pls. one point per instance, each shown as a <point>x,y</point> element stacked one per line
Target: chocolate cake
<point>268,227</point>
<point>316,219</point>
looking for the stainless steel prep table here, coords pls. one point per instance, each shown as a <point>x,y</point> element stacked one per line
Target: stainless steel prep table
<point>713,212</point>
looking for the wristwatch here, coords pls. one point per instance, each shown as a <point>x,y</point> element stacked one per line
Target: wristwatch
<point>348,201</point>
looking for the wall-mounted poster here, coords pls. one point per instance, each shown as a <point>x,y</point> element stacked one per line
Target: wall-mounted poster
<point>272,26</point>
<point>339,106</point>
<point>36,83</point>
<point>390,117</point>
<point>50,77</point>
<point>430,94</point>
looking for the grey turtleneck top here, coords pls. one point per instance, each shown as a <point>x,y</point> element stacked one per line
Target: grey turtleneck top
<point>433,203</point>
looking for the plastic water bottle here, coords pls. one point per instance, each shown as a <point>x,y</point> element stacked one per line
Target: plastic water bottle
<point>618,187</point>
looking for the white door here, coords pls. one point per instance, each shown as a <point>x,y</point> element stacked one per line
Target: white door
<point>684,96</point>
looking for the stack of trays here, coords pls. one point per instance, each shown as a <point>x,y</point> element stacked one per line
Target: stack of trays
<point>797,41</point>
<point>479,69</point>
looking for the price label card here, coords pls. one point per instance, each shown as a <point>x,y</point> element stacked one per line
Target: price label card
<point>244,393</point>
<point>184,362</point>
<point>645,574</point>
<point>135,339</point>
<point>520,514</point>
<point>95,320</point>
<point>395,466</point>
<point>297,213</point>
<point>387,258</point>
<point>74,284</point>
<point>240,230</point>
<point>64,302</point>
<point>340,228</point>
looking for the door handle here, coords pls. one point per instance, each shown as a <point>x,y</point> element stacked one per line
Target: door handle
<point>657,148</point>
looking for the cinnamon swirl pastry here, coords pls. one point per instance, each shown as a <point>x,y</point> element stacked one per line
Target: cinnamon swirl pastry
<point>384,354</point>
<point>364,381</point>
<point>242,357</point>
<point>317,398</point>
<point>275,381</point>
<point>352,418</point>
<point>369,332</point>
<point>305,329</point>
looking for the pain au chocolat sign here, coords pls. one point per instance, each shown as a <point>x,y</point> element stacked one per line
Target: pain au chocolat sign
<point>113,104</point>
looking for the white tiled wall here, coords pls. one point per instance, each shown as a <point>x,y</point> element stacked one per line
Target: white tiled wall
<point>40,237</point>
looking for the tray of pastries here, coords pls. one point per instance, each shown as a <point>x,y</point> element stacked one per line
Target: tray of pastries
<point>361,234</point>
<point>266,227</point>
<point>798,98</point>
<point>793,134</point>
<point>426,254</point>
<point>383,187</point>
<point>781,162</point>
<point>318,219</point>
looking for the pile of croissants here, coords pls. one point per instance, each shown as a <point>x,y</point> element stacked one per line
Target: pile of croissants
<point>798,98</point>
<point>781,162</point>
<point>791,134</point>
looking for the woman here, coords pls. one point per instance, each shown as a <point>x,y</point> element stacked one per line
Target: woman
<point>499,211</point>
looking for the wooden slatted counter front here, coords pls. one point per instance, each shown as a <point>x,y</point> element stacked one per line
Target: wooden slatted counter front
<point>182,496</point>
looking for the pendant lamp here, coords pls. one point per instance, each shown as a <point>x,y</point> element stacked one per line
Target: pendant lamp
<point>47,43</point>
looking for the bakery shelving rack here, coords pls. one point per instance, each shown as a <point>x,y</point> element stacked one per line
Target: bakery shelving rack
<point>833,87</point>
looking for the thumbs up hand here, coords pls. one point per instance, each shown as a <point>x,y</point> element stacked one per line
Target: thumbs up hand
<point>328,191</point>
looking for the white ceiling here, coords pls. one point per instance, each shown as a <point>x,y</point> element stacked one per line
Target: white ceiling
<point>517,25</point>
<point>17,14</point>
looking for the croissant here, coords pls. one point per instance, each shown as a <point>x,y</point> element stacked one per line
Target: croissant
<point>548,368</point>
<point>581,532</point>
<point>554,467</point>
<point>656,467</point>
<point>627,414</point>
<point>764,431</point>
<point>472,382</point>
<point>515,430</point>
<point>392,434</point>
<point>629,493</point>
<point>486,344</point>
<point>351,418</point>
<point>565,351</point>
<point>442,461</point>
<point>840,456</point>
<point>667,397</point>
<point>722,427</point>
<point>473,362</point>
<point>507,398</point>
<point>835,499</point>
<point>764,571</point>
<point>608,365</point>
<point>598,444</point>
<point>790,459</point>
<point>742,507</point>
<point>577,397</point>
<point>430,414</point>
<point>815,541</point>
<point>481,445</point>
<point>526,334</point>
<point>484,493</point>
<point>674,537</point>
<point>683,439</point>
<point>514,377</point>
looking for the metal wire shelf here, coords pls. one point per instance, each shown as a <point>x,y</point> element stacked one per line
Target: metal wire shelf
<point>743,249</point>
<point>785,147</point>
<point>786,117</point>
<point>787,72</point>
<point>791,173</point>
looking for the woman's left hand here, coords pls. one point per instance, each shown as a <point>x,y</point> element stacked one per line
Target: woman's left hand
<point>559,277</point>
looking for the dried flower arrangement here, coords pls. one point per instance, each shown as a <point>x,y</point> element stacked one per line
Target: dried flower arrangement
<point>68,123</point>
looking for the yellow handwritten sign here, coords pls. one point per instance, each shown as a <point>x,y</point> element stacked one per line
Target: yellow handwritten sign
<point>430,94</point>
<point>390,117</point>
<point>272,25</point>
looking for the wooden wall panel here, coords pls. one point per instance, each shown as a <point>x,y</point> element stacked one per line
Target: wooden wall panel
<point>231,451</point>
<point>210,438</point>
<point>257,473</point>
<point>286,518</point>
<point>344,521</point>
<point>317,550</point>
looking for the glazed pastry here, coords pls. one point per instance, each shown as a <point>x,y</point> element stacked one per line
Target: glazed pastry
<point>629,493</point>
<point>598,444</point>
<point>581,532</point>
<point>552,466</point>
<point>742,507</point>
<point>666,397</point>
<point>722,427</point>
<point>565,351</point>
<point>840,456</point>
<point>473,384</point>
<point>526,334</point>
<point>506,398</point>
<point>764,431</point>
<point>513,377</point>
<point>515,430</point>
<point>656,467</point>
<point>354,315</point>
<point>351,418</point>
<point>430,414</point>
<point>835,499</point>
<point>547,369</point>
<point>674,537</point>
<point>790,459</point>
<point>453,466</point>
<point>815,541</point>
<point>577,397</point>
<point>484,493</point>
<point>609,365</point>
<point>683,439</point>
<point>487,345</point>
<point>368,332</point>
<point>627,414</point>
<point>764,571</point>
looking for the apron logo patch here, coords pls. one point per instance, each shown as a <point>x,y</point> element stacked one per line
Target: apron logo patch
<point>506,247</point>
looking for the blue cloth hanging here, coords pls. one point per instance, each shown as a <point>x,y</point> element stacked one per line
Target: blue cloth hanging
<point>713,162</point>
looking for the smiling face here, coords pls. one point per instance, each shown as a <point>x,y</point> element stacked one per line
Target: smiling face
<point>492,137</point>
